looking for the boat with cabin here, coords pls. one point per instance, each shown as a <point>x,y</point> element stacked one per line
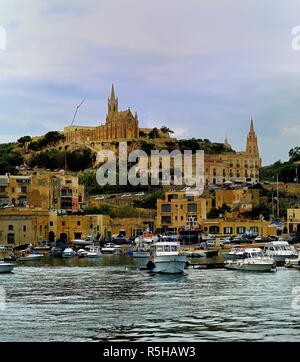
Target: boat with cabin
<point>253,259</point>
<point>280,251</point>
<point>165,258</point>
<point>93,252</point>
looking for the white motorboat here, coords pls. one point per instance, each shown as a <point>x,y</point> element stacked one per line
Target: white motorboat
<point>253,260</point>
<point>32,257</point>
<point>280,251</point>
<point>235,253</point>
<point>6,267</point>
<point>68,253</point>
<point>293,263</point>
<point>166,259</point>
<point>93,252</point>
<point>81,253</point>
<point>110,248</point>
<point>82,242</point>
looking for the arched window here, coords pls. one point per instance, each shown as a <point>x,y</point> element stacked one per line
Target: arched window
<point>10,227</point>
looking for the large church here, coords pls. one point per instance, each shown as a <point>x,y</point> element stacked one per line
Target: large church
<point>119,126</point>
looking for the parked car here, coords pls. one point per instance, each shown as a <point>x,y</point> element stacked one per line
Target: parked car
<point>140,194</point>
<point>9,206</point>
<point>101,197</point>
<point>125,195</point>
<point>210,242</point>
<point>224,241</point>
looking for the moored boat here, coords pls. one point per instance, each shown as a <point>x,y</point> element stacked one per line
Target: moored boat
<point>110,248</point>
<point>68,253</point>
<point>32,257</point>
<point>93,252</point>
<point>165,258</point>
<point>280,251</point>
<point>293,263</point>
<point>252,260</point>
<point>6,267</point>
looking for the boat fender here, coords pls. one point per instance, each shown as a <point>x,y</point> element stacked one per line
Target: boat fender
<point>150,265</point>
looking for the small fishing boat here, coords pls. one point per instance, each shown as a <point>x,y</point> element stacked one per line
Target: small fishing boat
<point>33,256</point>
<point>6,267</point>
<point>166,259</point>
<point>93,252</point>
<point>252,260</point>
<point>68,253</point>
<point>81,253</point>
<point>194,254</point>
<point>110,248</point>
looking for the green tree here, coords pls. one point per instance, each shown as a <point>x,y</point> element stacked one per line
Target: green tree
<point>24,140</point>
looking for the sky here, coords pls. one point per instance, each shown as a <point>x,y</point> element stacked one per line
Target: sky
<point>202,68</point>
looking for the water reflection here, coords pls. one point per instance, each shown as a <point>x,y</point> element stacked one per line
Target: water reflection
<point>111,299</point>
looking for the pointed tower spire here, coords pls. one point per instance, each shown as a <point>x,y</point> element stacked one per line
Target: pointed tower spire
<point>251,125</point>
<point>112,102</point>
<point>252,146</point>
<point>112,96</point>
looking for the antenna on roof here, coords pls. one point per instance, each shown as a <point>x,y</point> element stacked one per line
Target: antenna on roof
<point>77,110</point>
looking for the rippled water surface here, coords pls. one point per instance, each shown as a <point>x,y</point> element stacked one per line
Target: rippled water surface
<point>110,299</point>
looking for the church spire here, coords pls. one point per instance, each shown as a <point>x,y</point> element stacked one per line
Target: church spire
<point>113,102</point>
<point>252,146</point>
<point>112,96</point>
<point>251,125</point>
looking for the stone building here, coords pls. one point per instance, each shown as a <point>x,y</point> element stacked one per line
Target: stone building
<point>293,220</point>
<point>178,210</point>
<point>45,191</point>
<point>240,166</point>
<point>119,126</point>
<point>240,199</point>
<point>20,226</point>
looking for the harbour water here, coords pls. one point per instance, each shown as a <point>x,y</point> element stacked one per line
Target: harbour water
<point>110,299</point>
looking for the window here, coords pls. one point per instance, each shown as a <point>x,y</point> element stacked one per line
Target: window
<point>228,230</point>
<point>23,189</point>
<point>192,207</point>
<point>10,227</point>
<point>241,230</point>
<point>24,228</point>
<point>78,223</point>
<point>51,223</point>
<point>166,220</point>
<point>166,208</point>
<point>63,223</point>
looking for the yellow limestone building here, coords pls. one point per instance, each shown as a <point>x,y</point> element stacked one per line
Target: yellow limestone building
<point>234,166</point>
<point>119,126</point>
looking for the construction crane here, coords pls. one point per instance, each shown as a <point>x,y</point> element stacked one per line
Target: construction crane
<point>77,110</point>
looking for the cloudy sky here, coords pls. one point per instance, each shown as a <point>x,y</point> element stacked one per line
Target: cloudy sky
<point>200,67</point>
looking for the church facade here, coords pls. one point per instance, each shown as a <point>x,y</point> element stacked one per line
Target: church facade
<point>239,166</point>
<point>119,126</point>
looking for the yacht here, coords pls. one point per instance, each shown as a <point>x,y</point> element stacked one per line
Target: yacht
<point>280,251</point>
<point>93,252</point>
<point>252,260</point>
<point>68,253</point>
<point>166,259</point>
<point>6,267</point>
